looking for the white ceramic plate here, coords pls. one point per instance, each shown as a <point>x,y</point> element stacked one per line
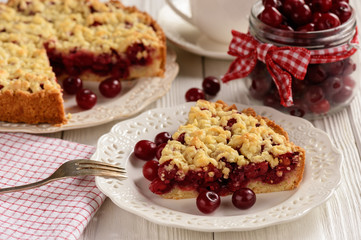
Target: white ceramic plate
<point>321,178</point>
<point>134,97</point>
<point>188,37</point>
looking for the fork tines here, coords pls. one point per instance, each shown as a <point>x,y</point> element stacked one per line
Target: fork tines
<point>92,164</point>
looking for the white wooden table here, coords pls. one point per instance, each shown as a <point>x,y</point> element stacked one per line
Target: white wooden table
<point>338,218</point>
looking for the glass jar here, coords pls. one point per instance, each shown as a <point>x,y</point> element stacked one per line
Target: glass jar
<point>326,87</point>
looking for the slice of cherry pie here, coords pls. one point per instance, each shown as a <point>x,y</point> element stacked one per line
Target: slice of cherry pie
<point>222,150</point>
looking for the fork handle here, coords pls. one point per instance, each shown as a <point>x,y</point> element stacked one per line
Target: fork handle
<point>27,186</point>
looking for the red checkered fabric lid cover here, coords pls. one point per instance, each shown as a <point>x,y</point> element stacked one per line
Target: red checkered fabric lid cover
<point>59,210</point>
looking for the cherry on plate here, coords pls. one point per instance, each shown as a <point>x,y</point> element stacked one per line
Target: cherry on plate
<point>110,87</point>
<point>208,201</point>
<point>86,99</point>
<point>150,170</point>
<point>162,137</point>
<point>145,149</point>
<point>194,94</point>
<point>211,85</point>
<point>72,85</point>
<point>158,153</point>
<point>243,198</point>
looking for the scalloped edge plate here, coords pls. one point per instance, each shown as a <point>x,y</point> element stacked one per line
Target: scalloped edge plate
<point>321,178</point>
<point>135,96</point>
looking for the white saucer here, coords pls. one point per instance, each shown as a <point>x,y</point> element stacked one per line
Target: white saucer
<point>188,37</point>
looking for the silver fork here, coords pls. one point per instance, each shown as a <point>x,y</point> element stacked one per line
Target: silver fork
<point>74,168</point>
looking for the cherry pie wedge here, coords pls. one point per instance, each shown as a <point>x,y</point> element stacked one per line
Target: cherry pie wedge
<point>45,40</point>
<point>222,150</point>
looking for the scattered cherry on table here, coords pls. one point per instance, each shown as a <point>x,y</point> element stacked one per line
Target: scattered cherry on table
<point>194,94</point>
<point>211,85</point>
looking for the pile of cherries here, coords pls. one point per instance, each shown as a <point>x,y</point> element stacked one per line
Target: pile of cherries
<point>86,98</point>
<point>326,85</point>
<point>305,15</point>
<point>207,201</point>
<point>210,86</point>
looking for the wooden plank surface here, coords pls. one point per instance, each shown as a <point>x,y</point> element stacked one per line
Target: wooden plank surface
<point>338,218</point>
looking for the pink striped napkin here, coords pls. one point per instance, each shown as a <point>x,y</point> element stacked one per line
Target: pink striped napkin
<point>59,210</point>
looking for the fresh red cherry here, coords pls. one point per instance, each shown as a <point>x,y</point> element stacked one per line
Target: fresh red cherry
<point>320,107</point>
<point>158,153</point>
<point>290,5</point>
<point>194,94</point>
<point>342,10</point>
<point>86,99</point>
<point>272,3</point>
<point>316,73</point>
<point>285,27</point>
<point>309,27</point>
<point>162,137</point>
<point>343,95</point>
<point>72,85</point>
<point>211,85</point>
<point>321,5</point>
<point>349,66</point>
<point>145,149</point>
<point>299,108</point>
<point>243,198</point>
<point>334,68</point>
<point>327,21</point>
<point>316,16</point>
<point>349,81</point>
<point>301,15</point>
<point>260,86</point>
<point>110,87</point>
<point>208,201</point>
<point>333,85</point>
<point>150,170</point>
<point>337,1</point>
<point>271,16</point>
<point>314,94</point>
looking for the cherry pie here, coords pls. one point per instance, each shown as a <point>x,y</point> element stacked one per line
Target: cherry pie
<point>222,150</point>
<point>45,40</point>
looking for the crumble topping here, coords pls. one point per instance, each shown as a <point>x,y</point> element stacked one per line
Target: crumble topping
<point>216,134</point>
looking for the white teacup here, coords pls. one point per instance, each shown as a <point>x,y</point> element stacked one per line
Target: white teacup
<point>216,18</point>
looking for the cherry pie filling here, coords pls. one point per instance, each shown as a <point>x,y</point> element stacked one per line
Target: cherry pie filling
<point>117,65</point>
<point>210,178</point>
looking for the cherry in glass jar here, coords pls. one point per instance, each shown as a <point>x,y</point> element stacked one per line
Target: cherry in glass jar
<point>328,35</point>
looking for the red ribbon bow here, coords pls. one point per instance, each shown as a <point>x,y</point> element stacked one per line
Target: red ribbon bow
<point>281,62</point>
